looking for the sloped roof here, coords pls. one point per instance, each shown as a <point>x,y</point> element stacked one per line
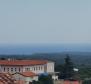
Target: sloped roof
<point>6,78</point>
<point>26,74</point>
<point>22,62</point>
<point>71,82</point>
<point>20,82</point>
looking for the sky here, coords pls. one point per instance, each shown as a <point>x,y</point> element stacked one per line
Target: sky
<point>45,21</point>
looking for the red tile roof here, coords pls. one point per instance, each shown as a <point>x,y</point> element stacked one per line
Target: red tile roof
<point>22,62</point>
<point>6,78</point>
<point>28,74</point>
<point>71,82</point>
<point>20,82</point>
<point>1,81</point>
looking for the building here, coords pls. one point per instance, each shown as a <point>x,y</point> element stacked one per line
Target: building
<point>27,70</point>
<point>68,82</point>
<point>25,77</point>
<point>6,78</point>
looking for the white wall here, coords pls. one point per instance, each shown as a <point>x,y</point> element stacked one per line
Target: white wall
<point>54,77</point>
<point>50,67</point>
<point>36,69</point>
<point>26,79</point>
<point>30,79</point>
<point>11,69</point>
<point>18,77</point>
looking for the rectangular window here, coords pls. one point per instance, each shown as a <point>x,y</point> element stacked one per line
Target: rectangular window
<point>19,69</point>
<point>4,69</point>
<point>27,69</point>
<point>41,67</point>
<point>31,69</point>
<point>34,68</point>
<point>15,69</point>
<point>11,69</point>
<point>8,69</point>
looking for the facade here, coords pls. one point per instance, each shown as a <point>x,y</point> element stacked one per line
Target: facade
<point>36,66</point>
<point>27,70</point>
<point>25,77</point>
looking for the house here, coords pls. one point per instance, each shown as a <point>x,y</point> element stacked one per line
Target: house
<point>68,82</point>
<point>6,78</point>
<point>27,70</point>
<point>25,77</point>
<point>72,82</point>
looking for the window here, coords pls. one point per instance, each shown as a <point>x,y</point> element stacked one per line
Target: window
<point>27,69</point>
<point>41,67</point>
<point>4,69</point>
<point>11,69</point>
<point>8,69</point>
<point>34,68</point>
<point>15,69</point>
<point>19,69</point>
<point>31,69</point>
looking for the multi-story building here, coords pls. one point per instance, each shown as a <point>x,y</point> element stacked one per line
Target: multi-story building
<point>27,68</point>
<point>36,66</point>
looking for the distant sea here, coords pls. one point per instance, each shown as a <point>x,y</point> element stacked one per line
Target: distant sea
<point>43,48</point>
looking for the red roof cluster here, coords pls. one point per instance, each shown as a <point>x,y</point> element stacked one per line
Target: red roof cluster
<point>22,62</point>
<point>26,74</point>
<point>71,82</point>
<point>6,78</point>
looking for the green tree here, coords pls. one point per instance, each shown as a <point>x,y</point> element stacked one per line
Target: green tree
<point>45,79</point>
<point>68,71</point>
<point>87,82</point>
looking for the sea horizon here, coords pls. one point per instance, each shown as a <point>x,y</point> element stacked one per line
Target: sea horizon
<point>43,48</point>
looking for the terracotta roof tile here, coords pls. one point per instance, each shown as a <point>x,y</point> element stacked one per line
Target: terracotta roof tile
<point>22,62</point>
<point>28,74</point>
<point>71,82</point>
<point>1,82</point>
<point>20,82</point>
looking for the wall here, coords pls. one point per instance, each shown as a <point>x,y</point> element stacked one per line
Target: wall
<point>11,69</point>
<point>50,67</point>
<point>36,69</point>
<point>18,77</point>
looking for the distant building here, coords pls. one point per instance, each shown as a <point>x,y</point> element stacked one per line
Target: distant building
<point>27,69</point>
<point>25,77</point>
<point>68,82</point>
<point>75,69</point>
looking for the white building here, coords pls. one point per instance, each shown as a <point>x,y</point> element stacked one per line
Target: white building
<point>23,66</point>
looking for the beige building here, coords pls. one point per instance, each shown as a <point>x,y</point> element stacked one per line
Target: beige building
<point>25,77</point>
<point>21,68</point>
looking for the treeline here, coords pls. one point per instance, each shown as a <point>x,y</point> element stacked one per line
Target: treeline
<point>79,58</point>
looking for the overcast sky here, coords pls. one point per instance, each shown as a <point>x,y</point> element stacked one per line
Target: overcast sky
<point>45,21</point>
